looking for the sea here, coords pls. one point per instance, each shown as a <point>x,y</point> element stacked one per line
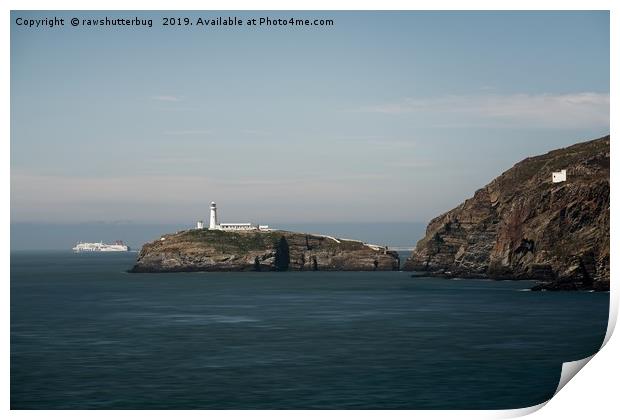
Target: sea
<point>85,334</point>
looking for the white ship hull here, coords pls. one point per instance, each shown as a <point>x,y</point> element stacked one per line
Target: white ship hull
<point>100,247</point>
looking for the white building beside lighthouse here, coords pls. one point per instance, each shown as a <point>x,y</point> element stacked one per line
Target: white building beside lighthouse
<point>214,225</point>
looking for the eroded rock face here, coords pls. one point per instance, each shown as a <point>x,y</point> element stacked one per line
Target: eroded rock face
<point>206,250</point>
<point>523,226</point>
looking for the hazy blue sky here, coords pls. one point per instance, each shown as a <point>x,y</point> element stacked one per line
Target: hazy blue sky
<point>386,116</point>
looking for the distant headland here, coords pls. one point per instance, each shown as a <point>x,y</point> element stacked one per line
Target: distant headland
<point>546,219</point>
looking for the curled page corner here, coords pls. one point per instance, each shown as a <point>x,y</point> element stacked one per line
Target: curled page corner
<point>614,298</point>
<point>569,370</point>
<point>521,412</point>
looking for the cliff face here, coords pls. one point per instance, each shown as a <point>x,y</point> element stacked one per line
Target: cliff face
<point>207,250</point>
<point>523,226</point>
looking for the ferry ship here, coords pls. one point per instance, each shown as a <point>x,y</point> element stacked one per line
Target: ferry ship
<point>118,246</point>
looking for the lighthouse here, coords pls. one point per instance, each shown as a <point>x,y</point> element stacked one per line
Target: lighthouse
<point>215,225</point>
<point>213,217</point>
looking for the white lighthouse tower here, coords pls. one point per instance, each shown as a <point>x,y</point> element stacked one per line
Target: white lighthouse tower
<point>213,217</point>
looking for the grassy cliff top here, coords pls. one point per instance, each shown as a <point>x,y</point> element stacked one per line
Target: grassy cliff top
<point>245,241</point>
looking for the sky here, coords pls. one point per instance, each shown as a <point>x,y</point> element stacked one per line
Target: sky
<point>382,117</point>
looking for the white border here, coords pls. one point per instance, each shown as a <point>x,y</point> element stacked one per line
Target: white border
<point>592,394</point>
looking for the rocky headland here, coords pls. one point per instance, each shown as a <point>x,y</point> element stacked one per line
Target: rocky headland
<point>215,250</point>
<point>523,226</point>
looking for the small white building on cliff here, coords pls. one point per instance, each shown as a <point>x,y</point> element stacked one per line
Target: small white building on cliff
<point>558,176</point>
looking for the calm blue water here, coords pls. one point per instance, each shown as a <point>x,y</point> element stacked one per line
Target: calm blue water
<point>85,334</point>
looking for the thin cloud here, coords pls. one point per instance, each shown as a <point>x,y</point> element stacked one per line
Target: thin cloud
<point>188,132</point>
<point>414,164</point>
<point>375,141</point>
<point>582,109</point>
<point>389,144</point>
<point>41,189</point>
<point>166,98</point>
<point>256,132</point>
